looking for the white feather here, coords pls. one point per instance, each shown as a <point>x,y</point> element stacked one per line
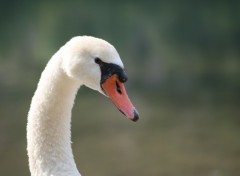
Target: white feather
<point>49,117</point>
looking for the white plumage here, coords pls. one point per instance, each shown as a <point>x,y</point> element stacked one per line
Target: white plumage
<point>49,117</point>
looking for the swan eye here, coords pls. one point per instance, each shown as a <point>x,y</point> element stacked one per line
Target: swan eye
<point>98,61</point>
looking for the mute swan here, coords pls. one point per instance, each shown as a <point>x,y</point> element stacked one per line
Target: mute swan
<point>84,60</point>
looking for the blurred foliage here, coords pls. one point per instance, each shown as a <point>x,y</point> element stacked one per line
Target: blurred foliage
<point>183,61</point>
<point>189,48</point>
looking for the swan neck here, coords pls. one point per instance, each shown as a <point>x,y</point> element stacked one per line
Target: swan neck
<point>49,123</point>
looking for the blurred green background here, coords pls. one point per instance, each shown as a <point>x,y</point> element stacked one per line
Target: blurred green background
<point>183,63</point>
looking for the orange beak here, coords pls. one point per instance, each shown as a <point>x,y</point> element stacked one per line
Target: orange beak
<point>117,93</point>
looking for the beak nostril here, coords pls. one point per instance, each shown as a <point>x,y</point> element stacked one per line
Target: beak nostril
<point>118,88</point>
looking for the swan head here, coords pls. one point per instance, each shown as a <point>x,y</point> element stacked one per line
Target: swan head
<point>96,64</point>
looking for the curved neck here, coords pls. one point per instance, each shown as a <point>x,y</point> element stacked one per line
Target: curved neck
<point>49,123</point>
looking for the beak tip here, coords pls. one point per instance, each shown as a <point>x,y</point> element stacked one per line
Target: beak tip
<point>136,115</point>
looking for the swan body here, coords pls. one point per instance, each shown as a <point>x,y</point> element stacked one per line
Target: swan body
<point>85,61</point>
